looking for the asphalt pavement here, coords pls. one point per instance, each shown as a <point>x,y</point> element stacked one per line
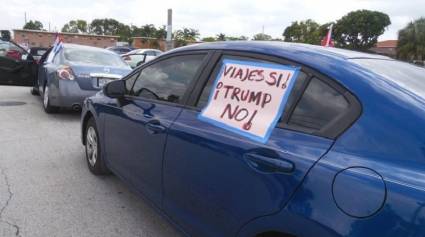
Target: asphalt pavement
<point>45,186</point>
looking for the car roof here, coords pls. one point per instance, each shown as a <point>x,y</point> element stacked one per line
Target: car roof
<point>281,49</point>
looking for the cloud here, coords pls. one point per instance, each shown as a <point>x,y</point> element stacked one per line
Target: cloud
<point>231,17</point>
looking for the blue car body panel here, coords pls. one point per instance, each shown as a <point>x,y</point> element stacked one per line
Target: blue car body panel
<point>209,188</point>
<point>210,180</point>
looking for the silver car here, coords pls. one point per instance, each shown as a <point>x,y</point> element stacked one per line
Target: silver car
<point>138,56</point>
<point>76,72</point>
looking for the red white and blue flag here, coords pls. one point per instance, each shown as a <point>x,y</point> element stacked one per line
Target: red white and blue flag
<point>57,46</point>
<point>327,40</point>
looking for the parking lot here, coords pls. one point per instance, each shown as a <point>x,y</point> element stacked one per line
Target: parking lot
<point>45,186</point>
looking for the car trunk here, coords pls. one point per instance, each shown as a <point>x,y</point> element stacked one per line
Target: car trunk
<point>92,77</point>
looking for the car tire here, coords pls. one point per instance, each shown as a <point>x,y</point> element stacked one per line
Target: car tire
<point>34,92</point>
<point>94,156</point>
<point>46,102</point>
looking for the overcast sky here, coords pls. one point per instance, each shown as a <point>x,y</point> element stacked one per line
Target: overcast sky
<point>232,17</point>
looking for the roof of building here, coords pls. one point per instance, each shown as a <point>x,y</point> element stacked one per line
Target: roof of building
<point>387,44</point>
<point>64,33</point>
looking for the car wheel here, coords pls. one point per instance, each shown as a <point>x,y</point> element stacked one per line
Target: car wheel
<point>93,151</point>
<point>46,102</point>
<point>34,92</point>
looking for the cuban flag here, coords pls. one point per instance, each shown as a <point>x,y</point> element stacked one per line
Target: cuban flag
<point>57,46</point>
<point>327,40</point>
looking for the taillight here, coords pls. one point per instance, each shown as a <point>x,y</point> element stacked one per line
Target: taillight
<point>65,73</point>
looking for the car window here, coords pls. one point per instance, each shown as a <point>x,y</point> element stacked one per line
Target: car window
<point>129,82</point>
<point>93,57</point>
<point>169,79</point>
<point>203,99</point>
<point>150,53</point>
<point>11,51</point>
<point>319,106</point>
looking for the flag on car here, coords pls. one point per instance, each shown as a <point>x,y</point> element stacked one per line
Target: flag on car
<point>57,46</point>
<point>327,40</point>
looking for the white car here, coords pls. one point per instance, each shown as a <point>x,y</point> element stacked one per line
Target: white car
<point>138,56</point>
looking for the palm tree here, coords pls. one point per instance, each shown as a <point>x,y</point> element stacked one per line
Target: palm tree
<point>411,41</point>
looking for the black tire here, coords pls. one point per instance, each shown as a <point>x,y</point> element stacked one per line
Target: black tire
<point>96,165</point>
<point>34,92</point>
<point>46,104</point>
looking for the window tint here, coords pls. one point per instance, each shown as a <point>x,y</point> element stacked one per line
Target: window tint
<point>318,106</point>
<point>168,80</point>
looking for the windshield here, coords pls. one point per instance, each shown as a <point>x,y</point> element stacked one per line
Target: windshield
<point>94,57</point>
<point>406,75</point>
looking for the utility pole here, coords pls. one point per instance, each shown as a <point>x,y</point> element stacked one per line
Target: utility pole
<point>169,41</point>
<point>25,15</point>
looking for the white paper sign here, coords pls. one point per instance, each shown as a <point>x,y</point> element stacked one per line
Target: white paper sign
<point>248,98</point>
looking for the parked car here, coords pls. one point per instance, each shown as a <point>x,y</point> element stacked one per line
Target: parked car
<point>120,49</point>
<point>37,53</point>
<point>76,72</point>
<point>346,157</point>
<point>17,66</point>
<point>138,56</point>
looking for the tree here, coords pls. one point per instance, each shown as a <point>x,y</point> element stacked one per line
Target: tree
<point>303,32</point>
<point>221,37</point>
<point>105,26</point>
<point>185,35</point>
<point>359,30</point>
<point>33,25</point>
<point>161,33</point>
<point>411,41</point>
<point>76,26</point>
<point>208,39</point>
<point>233,38</point>
<point>261,36</point>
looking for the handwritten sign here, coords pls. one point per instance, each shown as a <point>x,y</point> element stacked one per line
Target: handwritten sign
<point>248,98</point>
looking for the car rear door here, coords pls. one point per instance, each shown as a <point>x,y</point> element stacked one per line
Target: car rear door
<point>216,180</point>
<point>17,66</point>
<point>136,126</point>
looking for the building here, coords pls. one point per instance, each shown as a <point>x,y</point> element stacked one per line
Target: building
<point>36,38</point>
<point>148,43</point>
<point>387,47</point>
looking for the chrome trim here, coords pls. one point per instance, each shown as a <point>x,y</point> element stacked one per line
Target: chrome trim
<point>105,75</point>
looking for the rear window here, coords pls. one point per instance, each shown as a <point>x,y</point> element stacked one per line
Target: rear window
<point>94,57</point>
<point>408,76</point>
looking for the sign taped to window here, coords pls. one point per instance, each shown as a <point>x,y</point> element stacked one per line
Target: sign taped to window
<point>248,98</point>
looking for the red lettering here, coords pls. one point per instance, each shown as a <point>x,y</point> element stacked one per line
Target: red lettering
<point>272,76</point>
<point>227,70</point>
<point>229,112</point>
<point>235,93</point>
<point>266,99</point>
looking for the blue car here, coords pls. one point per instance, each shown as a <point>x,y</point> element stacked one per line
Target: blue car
<point>67,77</point>
<point>345,156</point>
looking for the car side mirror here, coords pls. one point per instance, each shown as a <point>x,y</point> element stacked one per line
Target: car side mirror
<point>115,89</point>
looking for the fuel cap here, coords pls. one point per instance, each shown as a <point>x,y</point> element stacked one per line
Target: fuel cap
<point>359,192</point>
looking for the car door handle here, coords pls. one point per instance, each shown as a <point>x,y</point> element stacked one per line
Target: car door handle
<point>269,165</point>
<point>154,127</point>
